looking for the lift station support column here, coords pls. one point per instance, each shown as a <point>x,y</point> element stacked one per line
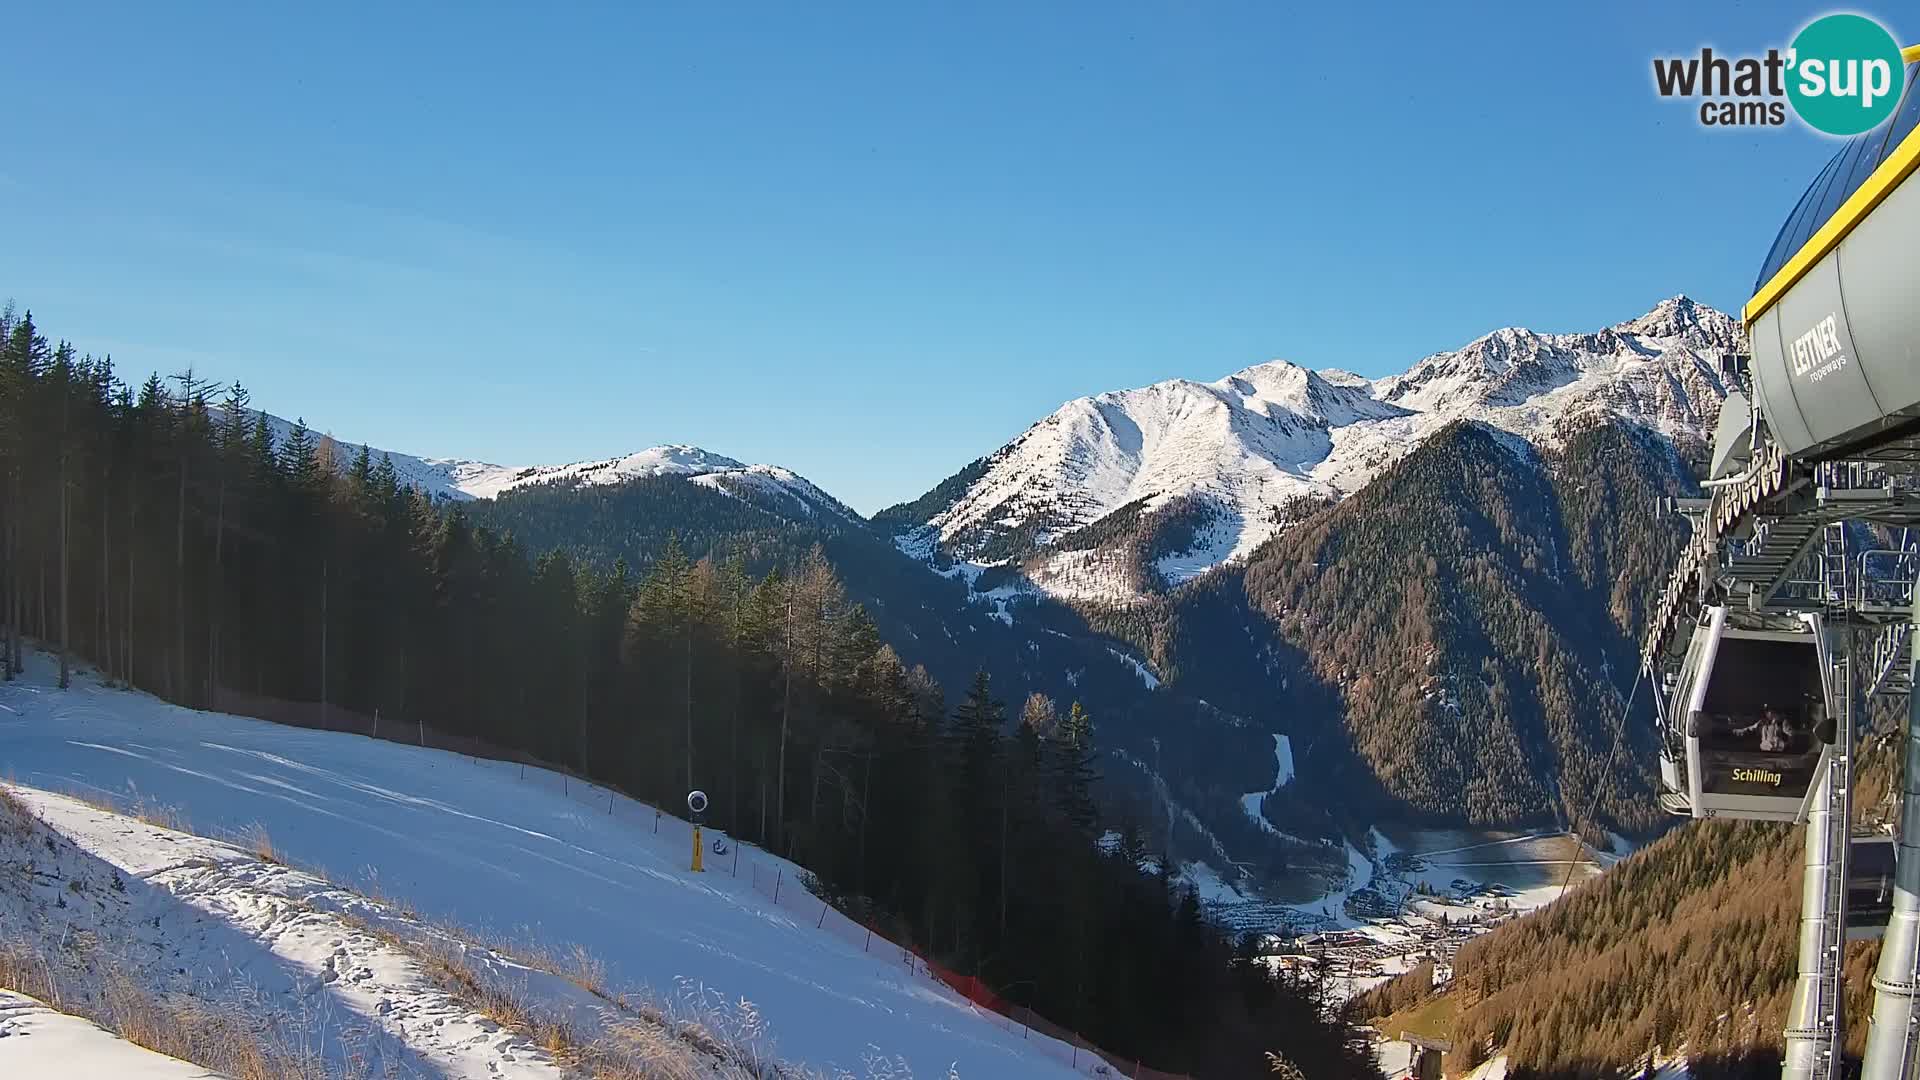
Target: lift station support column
<point>1891,1038</point>
<point>1815,1021</point>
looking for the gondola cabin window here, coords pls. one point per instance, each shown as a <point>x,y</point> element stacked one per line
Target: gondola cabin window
<point>1758,721</point>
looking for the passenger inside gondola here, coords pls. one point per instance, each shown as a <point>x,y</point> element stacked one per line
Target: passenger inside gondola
<point>1758,718</point>
<point>1776,733</point>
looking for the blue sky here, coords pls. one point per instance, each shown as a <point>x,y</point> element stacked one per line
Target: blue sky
<point>867,241</point>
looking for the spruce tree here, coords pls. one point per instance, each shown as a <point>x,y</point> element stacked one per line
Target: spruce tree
<point>1074,772</point>
<point>298,463</point>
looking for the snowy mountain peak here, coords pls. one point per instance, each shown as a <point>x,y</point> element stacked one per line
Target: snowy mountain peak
<point>1306,393</point>
<point>1679,315</point>
<point>1232,454</point>
<point>676,458</point>
<point>1515,367</point>
<point>1279,376</point>
<point>1341,377</point>
<point>1279,382</point>
<point>488,481</point>
<point>770,486</point>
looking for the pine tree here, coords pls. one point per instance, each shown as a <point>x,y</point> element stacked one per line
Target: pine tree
<point>231,455</point>
<point>660,630</point>
<point>61,379</point>
<point>360,482</point>
<point>26,357</point>
<point>190,438</point>
<point>1074,773</point>
<point>976,734</point>
<point>297,461</point>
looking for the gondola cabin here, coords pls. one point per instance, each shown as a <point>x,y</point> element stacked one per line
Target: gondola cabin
<point>1870,863</point>
<point>1751,708</point>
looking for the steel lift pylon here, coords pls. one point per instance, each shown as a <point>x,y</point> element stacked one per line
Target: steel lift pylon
<point>1817,446</point>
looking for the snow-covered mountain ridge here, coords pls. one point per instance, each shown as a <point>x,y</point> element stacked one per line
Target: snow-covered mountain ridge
<point>462,479</point>
<point>1245,446</point>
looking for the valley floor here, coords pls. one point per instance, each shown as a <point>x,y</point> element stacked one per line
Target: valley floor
<point>552,867</point>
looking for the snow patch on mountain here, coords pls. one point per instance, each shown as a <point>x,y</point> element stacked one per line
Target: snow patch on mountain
<point>1219,541</point>
<point>1147,676</point>
<point>1253,801</point>
<point>1283,761</point>
<point>1211,888</point>
<point>781,489</point>
<point>1099,575</point>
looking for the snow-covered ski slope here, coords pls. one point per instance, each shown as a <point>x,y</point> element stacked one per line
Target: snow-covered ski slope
<point>187,919</point>
<point>538,859</point>
<point>38,1040</point>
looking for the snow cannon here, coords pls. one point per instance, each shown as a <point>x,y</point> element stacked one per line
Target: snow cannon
<point>697,806</point>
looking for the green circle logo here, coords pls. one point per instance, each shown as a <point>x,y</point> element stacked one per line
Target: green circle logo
<point>1845,74</point>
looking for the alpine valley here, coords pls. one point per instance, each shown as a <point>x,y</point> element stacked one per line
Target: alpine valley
<point>1309,612</point>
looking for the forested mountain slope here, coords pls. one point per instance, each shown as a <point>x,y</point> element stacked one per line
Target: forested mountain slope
<point>1474,610</point>
<point>1688,943</point>
<point>1456,640</point>
<point>1161,747</point>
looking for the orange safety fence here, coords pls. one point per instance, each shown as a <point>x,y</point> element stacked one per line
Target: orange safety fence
<point>1044,1037</point>
<point>768,878</point>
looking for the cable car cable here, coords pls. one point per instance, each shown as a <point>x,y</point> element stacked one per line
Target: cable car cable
<point>1606,772</point>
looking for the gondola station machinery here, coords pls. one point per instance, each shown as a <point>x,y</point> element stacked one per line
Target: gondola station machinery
<point>1788,622</point>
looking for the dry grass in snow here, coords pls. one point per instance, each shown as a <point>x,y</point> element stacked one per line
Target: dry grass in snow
<point>379,991</point>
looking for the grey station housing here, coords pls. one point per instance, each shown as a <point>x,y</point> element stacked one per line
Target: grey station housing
<point>1836,358</point>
